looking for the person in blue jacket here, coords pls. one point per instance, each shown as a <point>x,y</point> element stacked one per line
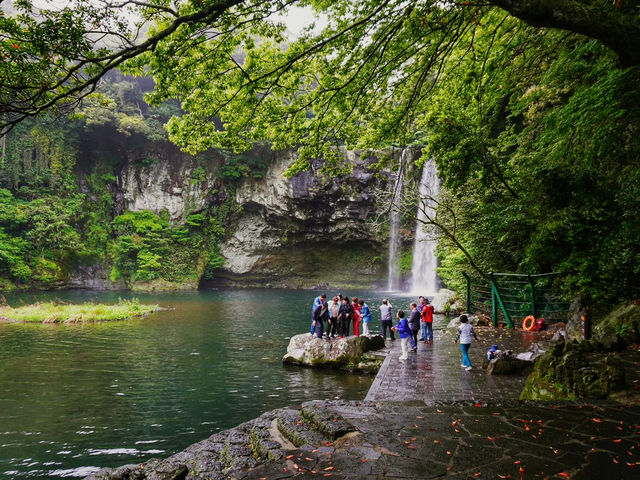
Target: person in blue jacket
<point>405,333</point>
<point>319,300</point>
<point>366,317</point>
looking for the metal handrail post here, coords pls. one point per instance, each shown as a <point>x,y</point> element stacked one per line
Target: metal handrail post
<point>468,291</point>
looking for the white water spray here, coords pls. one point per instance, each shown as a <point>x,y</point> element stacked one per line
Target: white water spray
<point>424,280</point>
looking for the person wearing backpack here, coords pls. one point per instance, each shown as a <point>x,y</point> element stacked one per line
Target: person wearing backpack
<point>320,315</point>
<point>414,325</point>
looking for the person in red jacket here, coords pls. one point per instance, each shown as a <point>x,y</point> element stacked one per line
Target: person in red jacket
<point>427,322</point>
<point>357,316</point>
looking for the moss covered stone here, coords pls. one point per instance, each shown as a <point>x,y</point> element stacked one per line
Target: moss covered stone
<point>572,371</point>
<point>621,324</point>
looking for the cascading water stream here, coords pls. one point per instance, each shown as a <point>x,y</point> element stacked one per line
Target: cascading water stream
<point>424,280</point>
<point>393,282</point>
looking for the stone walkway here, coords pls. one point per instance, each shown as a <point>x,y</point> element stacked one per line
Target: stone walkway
<point>434,374</point>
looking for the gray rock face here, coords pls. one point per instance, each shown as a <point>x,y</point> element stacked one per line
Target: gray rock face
<point>289,227</point>
<point>442,299</point>
<point>508,366</point>
<point>336,353</point>
<point>94,277</point>
<point>176,183</point>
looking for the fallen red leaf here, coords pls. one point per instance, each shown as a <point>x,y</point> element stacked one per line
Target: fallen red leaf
<point>477,474</point>
<point>564,474</point>
<point>289,457</point>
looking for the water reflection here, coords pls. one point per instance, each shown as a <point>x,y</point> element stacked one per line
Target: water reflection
<point>77,397</point>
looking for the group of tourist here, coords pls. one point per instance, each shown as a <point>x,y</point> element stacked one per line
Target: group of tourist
<point>339,314</point>
<point>336,317</point>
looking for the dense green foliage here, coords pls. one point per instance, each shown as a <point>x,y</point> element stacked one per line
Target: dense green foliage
<point>58,194</point>
<point>539,157</point>
<point>535,131</point>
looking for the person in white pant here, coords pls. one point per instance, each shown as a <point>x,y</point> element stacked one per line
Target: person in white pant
<point>405,332</point>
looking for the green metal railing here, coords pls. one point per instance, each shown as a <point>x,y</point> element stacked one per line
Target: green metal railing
<point>509,297</point>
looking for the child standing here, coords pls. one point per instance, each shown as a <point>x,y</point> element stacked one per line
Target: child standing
<point>405,332</point>
<point>366,317</point>
<point>465,332</point>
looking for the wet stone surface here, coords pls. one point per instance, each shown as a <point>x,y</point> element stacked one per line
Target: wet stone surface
<point>428,419</point>
<point>458,440</point>
<point>434,372</point>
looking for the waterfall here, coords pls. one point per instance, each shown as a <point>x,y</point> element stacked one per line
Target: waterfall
<point>424,280</point>
<point>393,282</point>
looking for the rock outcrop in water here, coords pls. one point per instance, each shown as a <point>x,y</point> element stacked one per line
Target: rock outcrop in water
<point>343,353</point>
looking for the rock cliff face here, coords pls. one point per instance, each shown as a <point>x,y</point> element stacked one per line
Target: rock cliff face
<point>302,231</point>
<point>306,230</point>
<point>170,181</point>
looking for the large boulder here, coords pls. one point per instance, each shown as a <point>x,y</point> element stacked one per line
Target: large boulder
<point>343,353</point>
<point>442,300</point>
<point>622,326</point>
<point>508,366</point>
<point>571,371</point>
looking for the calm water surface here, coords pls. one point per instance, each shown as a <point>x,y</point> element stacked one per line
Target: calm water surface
<point>77,397</point>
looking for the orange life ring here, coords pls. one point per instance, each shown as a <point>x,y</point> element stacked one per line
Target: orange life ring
<point>528,323</point>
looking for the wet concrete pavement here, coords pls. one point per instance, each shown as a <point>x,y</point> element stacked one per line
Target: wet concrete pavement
<point>434,372</point>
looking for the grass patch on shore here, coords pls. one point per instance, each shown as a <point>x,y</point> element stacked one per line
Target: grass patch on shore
<point>56,312</point>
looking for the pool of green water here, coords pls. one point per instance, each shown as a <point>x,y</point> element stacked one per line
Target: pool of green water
<point>74,398</point>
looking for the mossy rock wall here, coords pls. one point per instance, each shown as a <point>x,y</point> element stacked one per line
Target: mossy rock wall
<point>575,370</point>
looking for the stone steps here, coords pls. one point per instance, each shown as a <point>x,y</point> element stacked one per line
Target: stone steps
<point>324,420</point>
<point>297,430</point>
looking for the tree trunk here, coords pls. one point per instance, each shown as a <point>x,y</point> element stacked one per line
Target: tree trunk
<point>614,23</point>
